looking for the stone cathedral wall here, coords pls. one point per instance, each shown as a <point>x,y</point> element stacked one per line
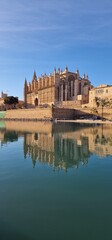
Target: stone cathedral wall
<point>46,95</point>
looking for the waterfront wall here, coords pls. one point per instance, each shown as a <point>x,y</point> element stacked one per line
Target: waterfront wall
<point>40,114</point>
<point>107,112</point>
<point>52,113</point>
<point>67,113</point>
<point>29,114</point>
<point>63,113</point>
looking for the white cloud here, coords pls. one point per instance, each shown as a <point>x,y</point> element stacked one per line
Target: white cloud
<point>55,23</point>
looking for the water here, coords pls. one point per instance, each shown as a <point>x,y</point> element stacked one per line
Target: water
<point>55,181</point>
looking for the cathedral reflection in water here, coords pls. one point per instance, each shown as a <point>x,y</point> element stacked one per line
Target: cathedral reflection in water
<point>60,145</point>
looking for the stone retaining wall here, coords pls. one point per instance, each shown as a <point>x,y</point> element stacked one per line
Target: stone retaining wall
<point>40,114</point>
<point>63,113</point>
<point>51,113</point>
<point>29,114</point>
<point>107,112</point>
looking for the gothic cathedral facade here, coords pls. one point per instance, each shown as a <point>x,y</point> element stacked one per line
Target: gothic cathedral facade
<point>57,88</point>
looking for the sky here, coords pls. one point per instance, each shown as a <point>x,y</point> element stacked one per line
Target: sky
<point>40,35</point>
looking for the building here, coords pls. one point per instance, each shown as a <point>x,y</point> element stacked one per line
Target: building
<point>103,91</point>
<point>3,95</point>
<point>1,101</point>
<point>57,88</point>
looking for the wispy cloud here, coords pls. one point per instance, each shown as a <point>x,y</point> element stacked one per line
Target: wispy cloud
<point>56,23</point>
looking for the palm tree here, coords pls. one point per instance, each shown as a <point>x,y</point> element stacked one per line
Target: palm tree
<point>101,102</point>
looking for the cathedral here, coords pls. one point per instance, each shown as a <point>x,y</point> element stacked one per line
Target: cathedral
<point>58,88</point>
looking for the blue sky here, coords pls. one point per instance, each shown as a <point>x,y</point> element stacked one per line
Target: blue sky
<point>42,34</point>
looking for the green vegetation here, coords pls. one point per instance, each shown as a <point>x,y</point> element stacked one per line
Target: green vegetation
<point>2,114</point>
<point>94,111</point>
<point>101,102</point>
<point>11,100</point>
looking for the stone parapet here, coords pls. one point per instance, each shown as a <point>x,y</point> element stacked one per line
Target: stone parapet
<point>29,114</point>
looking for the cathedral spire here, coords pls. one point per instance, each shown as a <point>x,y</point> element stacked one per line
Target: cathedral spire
<point>25,82</point>
<point>34,76</point>
<point>25,92</point>
<point>54,70</point>
<point>66,69</point>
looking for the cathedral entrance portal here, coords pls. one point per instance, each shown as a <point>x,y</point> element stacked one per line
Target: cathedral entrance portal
<point>36,101</point>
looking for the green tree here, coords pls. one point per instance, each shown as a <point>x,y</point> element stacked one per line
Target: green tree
<point>11,100</point>
<point>101,102</point>
<point>94,111</point>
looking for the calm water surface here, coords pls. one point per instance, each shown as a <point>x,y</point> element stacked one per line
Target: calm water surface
<point>55,181</point>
